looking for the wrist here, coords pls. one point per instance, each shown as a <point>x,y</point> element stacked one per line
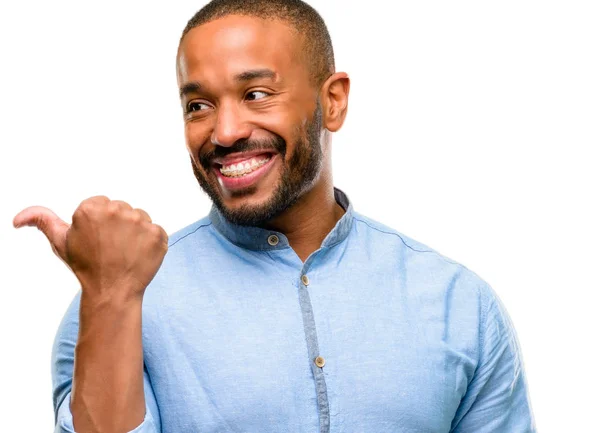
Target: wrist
<point>110,296</point>
<point>105,308</point>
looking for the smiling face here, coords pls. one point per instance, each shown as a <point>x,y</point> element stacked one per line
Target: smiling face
<point>253,120</point>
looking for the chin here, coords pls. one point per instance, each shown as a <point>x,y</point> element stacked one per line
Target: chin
<point>249,210</point>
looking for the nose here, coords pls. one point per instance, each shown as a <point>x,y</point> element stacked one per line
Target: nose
<point>230,126</point>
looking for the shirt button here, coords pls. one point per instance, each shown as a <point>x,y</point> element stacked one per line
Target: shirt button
<point>273,240</point>
<point>305,280</point>
<point>320,361</point>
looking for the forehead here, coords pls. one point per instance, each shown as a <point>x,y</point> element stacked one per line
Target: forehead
<point>230,45</point>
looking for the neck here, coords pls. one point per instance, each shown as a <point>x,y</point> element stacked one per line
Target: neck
<point>309,221</point>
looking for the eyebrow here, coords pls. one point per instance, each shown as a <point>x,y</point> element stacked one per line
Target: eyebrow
<point>253,74</point>
<point>191,87</point>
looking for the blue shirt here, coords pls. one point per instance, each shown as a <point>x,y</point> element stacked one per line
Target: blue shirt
<point>374,332</point>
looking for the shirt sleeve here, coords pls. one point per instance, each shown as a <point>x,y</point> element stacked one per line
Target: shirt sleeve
<point>63,353</point>
<point>497,399</point>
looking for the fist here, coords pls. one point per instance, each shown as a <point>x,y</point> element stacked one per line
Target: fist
<point>113,249</point>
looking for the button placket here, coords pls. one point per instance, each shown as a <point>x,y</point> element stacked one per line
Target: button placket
<point>312,342</point>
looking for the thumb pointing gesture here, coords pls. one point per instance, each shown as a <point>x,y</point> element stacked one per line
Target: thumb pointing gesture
<point>109,247</point>
<point>49,223</point>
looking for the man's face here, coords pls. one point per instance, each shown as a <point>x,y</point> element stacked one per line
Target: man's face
<point>252,117</point>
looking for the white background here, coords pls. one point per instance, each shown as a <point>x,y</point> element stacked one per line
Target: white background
<point>473,127</point>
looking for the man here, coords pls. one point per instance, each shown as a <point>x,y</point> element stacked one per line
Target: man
<point>283,310</point>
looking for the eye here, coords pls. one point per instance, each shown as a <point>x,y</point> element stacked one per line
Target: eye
<point>196,106</point>
<point>256,94</point>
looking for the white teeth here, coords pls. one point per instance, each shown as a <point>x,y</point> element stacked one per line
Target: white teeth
<point>242,168</point>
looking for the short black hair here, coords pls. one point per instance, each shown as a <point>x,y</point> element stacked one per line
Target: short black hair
<point>301,16</point>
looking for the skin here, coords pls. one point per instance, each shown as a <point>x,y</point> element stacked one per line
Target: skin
<point>115,250</point>
<point>229,110</point>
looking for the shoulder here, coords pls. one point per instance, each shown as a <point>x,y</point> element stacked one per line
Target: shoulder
<point>197,239</point>
<point>389,240</point>
<point>420,264</point>
<point>191,249</point>
<point>191,231</point>
<point>388,234</point>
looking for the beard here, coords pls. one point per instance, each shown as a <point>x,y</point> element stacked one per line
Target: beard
<point>297,177</point>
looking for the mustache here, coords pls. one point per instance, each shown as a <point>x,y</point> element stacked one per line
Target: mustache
<point>277,144</point>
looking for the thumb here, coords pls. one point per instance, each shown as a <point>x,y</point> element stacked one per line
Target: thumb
<point>48,223</point>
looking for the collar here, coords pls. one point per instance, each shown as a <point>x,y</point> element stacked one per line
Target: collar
<point>256,238</point>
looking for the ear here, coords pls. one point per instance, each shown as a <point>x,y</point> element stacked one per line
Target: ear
<point>334,100</point>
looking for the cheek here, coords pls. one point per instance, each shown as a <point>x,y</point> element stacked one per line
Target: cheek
<point>288,124</point>
<point>196,135</point>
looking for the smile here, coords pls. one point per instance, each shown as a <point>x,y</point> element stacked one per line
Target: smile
<point>243,171</point>
<point>245,167</point>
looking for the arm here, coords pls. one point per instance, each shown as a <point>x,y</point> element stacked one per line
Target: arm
<point>63,357</point>
<point>108,388</point>
<point>496,400</point>
<point>114,251</point>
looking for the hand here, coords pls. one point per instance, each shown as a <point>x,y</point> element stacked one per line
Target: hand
<point>113,249</point>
